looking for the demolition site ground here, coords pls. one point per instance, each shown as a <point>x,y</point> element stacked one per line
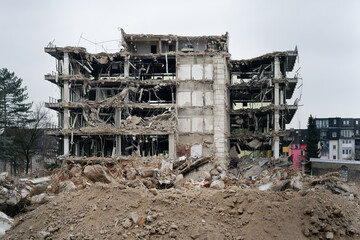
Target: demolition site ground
<point>118,202</point>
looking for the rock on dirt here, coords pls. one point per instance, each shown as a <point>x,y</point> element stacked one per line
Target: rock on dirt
<point>5,223</point>
<point>179,181</point>
<point>39,199</point>
<point>98,173</point>
<point>217,184</point>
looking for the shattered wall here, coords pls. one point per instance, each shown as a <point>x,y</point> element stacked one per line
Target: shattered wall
<point>194,105</point>
<point>349,170</point>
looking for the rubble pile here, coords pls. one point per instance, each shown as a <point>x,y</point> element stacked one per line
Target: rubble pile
<point>16,193</point>
<point>115,211</point>
<point>133,199</point>
<point>130,173</point>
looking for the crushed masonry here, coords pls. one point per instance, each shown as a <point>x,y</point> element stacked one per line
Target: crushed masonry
<point>128,191</point>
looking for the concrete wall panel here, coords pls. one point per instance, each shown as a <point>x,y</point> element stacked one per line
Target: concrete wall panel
<point>184,99</point>
<point>184,124</point>
<point>208,98</point>
<point>196,150</point>
<point>197,124</point>
<point>197,71</point>
<point>209,123</point>
<point>209,72</point>
<point>184,72</point>
<point>197,99</point>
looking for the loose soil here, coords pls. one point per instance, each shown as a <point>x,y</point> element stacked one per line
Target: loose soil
<point>114,211</point>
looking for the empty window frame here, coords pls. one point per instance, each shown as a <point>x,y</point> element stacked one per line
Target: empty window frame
<point>153,49</point>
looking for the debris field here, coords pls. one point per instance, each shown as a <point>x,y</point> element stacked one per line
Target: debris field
<point>136,201</point>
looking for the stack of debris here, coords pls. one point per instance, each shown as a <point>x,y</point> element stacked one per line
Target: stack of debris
<point>253,175</point>
<point>191,211</point>
<point>18,193</point>
<point>129,173</point>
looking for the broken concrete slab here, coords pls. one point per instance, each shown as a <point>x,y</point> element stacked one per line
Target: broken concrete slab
<point>98,173</point>
<point>179,181</point>
<point>217,184</point>
<point>5,223</point>
<point>266,187</point>
<point>148,172</point>
<point>39,199</point>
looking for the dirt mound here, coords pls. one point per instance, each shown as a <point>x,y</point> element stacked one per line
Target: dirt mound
<point>115,211</point>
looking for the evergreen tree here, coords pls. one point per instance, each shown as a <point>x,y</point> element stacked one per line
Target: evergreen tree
<point>312,140</point>
<point>14,112</point>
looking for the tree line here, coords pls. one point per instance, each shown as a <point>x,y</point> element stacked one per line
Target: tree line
<point>20,127</point>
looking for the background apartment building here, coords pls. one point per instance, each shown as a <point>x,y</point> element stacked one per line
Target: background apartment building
<point>167,96</point>
<point>339,138</point>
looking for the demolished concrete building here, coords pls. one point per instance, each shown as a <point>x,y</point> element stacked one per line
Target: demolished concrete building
<point>169,97</point>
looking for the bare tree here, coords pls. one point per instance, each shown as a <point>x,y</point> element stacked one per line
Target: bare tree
<point>26,138</point>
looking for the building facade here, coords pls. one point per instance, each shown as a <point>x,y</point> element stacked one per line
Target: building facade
<point>297,150</point>
<point>339,138</point>
<point>167,96</point>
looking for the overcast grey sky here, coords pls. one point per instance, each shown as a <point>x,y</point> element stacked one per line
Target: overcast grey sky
<point>326,32</point>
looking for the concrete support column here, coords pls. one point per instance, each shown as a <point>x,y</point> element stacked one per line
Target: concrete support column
<point>276,95</point>
<point>172,147</point>
<point>77,149</point>
<point>126,67</point>
<point>276,147</point>
<point>276,140</point>
<point>277,71</point>
<point>117,117</point>
<point>66,123</point>
<point>66,145</point>
<point>66,126</point>
<point>276,143</point>
<point>66,91</point>
<point>66,110</point>
<point>118,137</point>
<point>221,116</point>
<point>66,69</point>
<point>66,98</point>
<point>118,145</point>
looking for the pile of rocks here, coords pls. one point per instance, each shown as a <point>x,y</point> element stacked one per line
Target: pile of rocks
<point>15,193</point>
<point>128,174</point>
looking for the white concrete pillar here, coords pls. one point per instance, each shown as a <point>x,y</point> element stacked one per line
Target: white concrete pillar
<point>172,153</point>
<point>66,91</point>
<point>118,145</point>
<point>117,117</point>
<point>77,149</point>
<point>276,94</point>
<point>66,123</point>
<point>276,105</point>
<point>66,69</point>
<point>276,140</point>
<point>277,72</point>
<point>66,126</point>
<point>66,98</point>
<point>126,67</point>
<point>66,145</point>
<point>276,147</point>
